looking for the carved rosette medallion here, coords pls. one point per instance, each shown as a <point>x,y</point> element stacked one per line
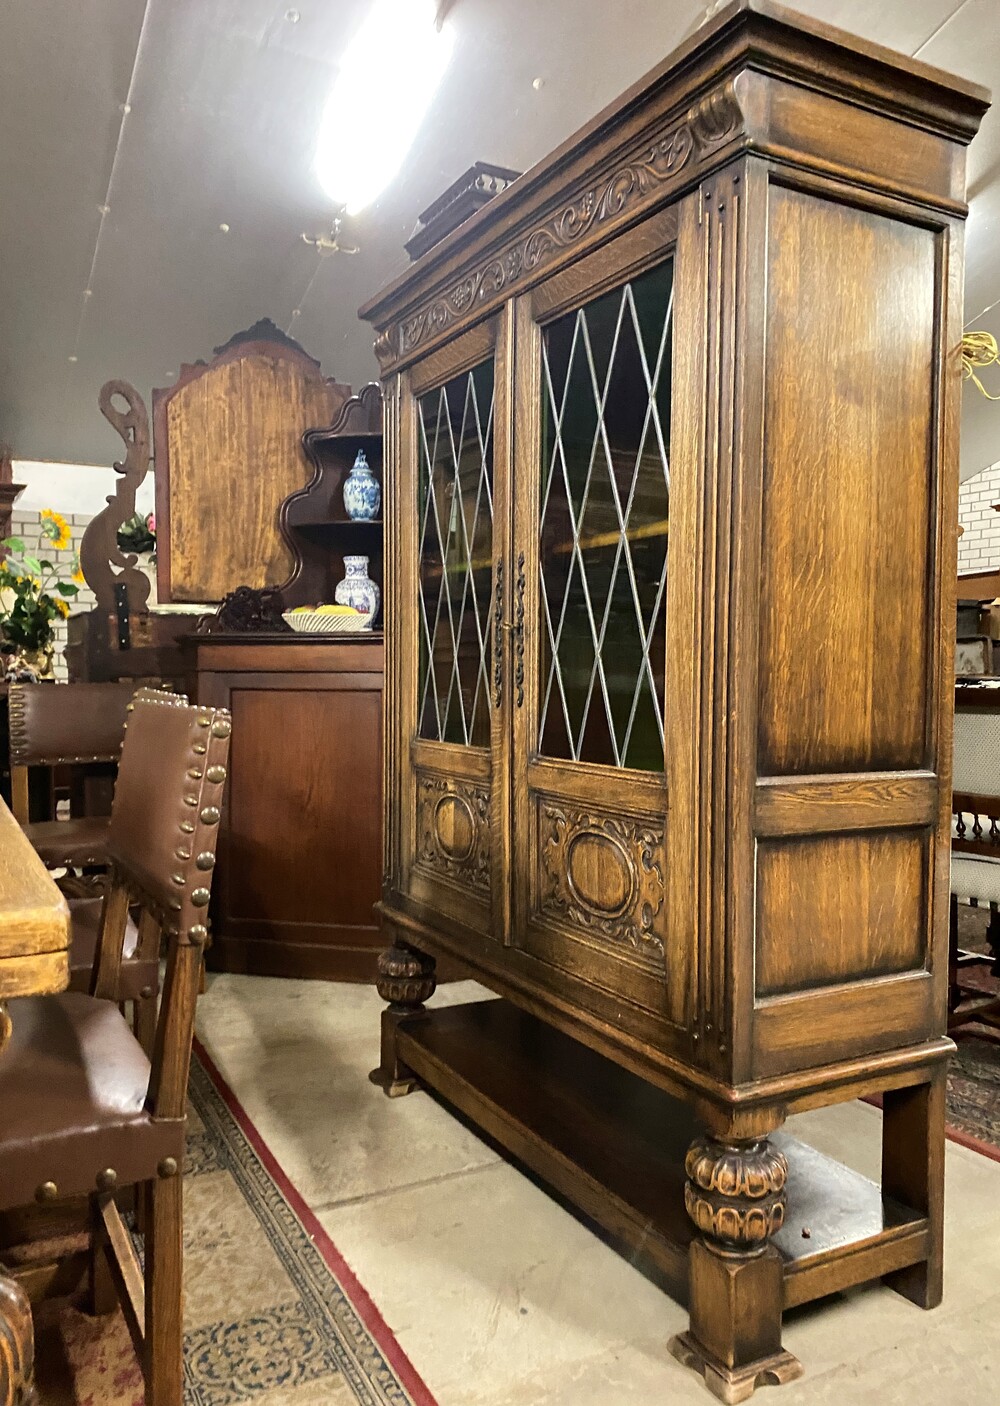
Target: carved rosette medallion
<point>453,830</point>
<point>639,178</point>
<point>603,873</point>
<point>405,977</point>
<point>735,1192</point>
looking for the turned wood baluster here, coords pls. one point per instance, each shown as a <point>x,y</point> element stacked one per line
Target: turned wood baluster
<point>406,980</point>
<point>735,1195</point>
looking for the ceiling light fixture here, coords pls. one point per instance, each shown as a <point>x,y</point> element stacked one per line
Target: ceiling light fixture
<point>388,77</point>
<point>336,242</point>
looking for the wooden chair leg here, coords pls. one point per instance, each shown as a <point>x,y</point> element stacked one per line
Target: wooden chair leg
<point>144,1023</point>
<point>164,1345</point>
<point>102,1297</point>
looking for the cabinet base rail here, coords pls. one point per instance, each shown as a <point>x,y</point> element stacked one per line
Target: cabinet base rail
<point>615,1148</point>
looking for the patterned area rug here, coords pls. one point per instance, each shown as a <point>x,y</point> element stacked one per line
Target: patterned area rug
<point>273,1315</point>
<point>974,1077</point>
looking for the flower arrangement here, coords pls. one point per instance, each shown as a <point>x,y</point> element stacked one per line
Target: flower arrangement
<point>31,595</point>
<point>138,534</point>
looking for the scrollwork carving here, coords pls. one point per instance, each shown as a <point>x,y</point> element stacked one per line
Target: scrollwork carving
<point>603,873</point>
<point>735,1192</point>
<point>463,856</point>
<point>102,561</point>
<point>638,179</point>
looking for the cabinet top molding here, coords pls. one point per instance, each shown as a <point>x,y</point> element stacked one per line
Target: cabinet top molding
<point>758,78</point>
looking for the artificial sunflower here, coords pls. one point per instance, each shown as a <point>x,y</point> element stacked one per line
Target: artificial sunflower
<point>55,529</point>
<point>78,575</point>
<point>62,607</point>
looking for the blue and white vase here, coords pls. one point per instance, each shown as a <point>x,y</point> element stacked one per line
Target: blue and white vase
<point>358,589</point>
<point>362,493</point>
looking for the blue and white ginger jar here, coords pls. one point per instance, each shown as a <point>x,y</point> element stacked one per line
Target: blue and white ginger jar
<point>362,493</point>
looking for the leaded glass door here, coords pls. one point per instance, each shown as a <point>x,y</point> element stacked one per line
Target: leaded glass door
<point>592,503</point>
<point>454,408</point>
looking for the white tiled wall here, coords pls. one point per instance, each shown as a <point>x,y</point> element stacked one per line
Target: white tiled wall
<point>979,544</point>
<point>28,527</point>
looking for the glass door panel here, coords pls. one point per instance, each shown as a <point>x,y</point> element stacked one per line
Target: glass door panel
<point>604,510</point>
<point>451,735</point>
<point>592,508</point>
<point>455,506</point>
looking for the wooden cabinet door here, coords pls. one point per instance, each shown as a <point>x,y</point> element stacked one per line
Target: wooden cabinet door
<point>448,705</point>
<point>591,507</point>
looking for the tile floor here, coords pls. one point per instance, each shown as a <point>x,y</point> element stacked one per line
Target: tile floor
<point>499,1296</point>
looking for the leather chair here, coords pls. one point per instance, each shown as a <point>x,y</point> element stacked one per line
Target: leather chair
<point>64,725</point>
<point>85,1112</point>
<point>975,859</point>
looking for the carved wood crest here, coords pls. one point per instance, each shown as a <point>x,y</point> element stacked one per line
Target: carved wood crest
<point>638,179</point>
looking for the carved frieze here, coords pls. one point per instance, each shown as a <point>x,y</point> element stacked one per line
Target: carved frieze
<point>639,178</point>
<point>603,873</point>
<point>453,830</point>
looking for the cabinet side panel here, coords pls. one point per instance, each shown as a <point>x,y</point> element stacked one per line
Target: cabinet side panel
<point>830,908</point>
<point>848,491</point>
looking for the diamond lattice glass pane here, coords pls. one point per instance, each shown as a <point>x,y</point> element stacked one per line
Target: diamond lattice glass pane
<point>604,511</point>
<point>455,504</point>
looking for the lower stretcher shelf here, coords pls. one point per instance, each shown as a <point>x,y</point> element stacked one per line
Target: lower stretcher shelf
<point>614,1147</point>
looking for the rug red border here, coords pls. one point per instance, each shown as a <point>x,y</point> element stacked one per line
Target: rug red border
<point>367,1311</point>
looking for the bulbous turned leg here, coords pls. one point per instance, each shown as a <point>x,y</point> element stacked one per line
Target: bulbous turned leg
<point>406,980</point>
<point>735,1195</point>
<point>17,1347</point>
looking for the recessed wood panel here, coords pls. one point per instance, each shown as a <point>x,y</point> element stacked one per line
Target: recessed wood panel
<point>846,552</point>
<point>839,908</point>
<point>306,844</point>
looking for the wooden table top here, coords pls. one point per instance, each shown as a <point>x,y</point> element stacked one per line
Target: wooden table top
<point>34,919</point>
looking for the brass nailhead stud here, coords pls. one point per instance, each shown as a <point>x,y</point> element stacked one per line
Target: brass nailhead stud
<point>206,860</point>
<point>48,1191</point>
<point>196,773</point>
<point>221,728</point>
<point>176,905</point>
<point>187,827</point>
<point>190,800</point>
<point>146,992</point>
<point>216,774</point>
<point>107,1180</point>
<point>204,722</point>
<point>130,707</point>
<point>198,934</point>
<point>200,748</point>
<point>179,879</point>
<point>168,1167</point>
<point>210,815</point>
<point>199,897</point>
<point>182,853</point>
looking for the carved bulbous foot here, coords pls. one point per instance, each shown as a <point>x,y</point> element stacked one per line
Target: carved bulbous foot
<point>735,1195</point>
<point>735,1192</point>
<point>17,1347</point>
<point>406,980</point>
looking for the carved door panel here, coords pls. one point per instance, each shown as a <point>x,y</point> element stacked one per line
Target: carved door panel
<point>591,505</point>
<point>454,439</point>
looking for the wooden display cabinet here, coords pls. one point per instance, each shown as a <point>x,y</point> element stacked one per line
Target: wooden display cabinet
<point>698,368</point>
<point>301,838</point>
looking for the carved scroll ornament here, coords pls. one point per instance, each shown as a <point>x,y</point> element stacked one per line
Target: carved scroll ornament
<point>637,179</point>
<point>102,561</point>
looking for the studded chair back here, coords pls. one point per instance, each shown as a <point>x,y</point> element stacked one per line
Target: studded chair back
<point>62,725</point>
<point>161,848</point>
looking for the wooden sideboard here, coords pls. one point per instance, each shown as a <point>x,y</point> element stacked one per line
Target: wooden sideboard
<point>300,847</point>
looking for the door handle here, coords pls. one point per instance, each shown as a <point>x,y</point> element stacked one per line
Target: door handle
<point>498,628</point>
<point>519,631</point>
